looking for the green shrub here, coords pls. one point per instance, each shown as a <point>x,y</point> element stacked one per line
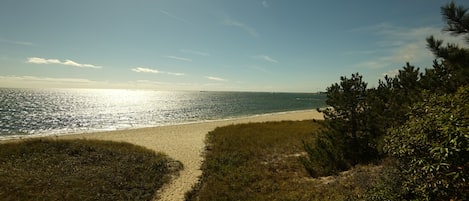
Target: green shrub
<point>324,155</point>
<point>433,147</point>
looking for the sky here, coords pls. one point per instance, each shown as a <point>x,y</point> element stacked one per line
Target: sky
<point>212,45</point>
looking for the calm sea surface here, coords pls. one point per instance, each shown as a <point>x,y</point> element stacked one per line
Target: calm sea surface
<point>65,111</point>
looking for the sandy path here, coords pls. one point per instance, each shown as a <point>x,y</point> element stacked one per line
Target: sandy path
<point>186,143</point>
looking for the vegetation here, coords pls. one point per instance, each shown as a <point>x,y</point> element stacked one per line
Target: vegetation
<point>433,148</point>
<point>419,120</point>
<point>260,161</point>
<point>47,169</point>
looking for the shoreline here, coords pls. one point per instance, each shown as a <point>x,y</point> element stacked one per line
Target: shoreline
<point>6,138</point>
<point>184,142</point>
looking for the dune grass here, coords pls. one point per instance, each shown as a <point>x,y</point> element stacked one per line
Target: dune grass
<point>50,169</point>
<point>260,161</point>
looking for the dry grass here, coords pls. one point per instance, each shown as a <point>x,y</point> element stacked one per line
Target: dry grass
<point>260,161</point>
<point>45,169</point>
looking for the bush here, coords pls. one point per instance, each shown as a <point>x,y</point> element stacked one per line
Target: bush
<point>324,155</point>
<point>433,147</point>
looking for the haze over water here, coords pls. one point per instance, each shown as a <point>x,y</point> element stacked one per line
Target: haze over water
<point>65,111</point>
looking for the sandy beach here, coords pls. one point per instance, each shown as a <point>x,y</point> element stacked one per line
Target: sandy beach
<point>185,143</point>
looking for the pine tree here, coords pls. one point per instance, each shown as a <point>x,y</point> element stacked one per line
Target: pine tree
<point>451,66</point>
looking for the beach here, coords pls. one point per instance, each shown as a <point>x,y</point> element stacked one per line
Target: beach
<point>185,143</point>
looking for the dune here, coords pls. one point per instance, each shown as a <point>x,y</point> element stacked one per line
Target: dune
<point>185,143</point>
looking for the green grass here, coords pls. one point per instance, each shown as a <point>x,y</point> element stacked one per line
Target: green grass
<point>49,169</point>
<point>260,161</point>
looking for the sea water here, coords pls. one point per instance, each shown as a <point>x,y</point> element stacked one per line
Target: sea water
<point>65,111</point>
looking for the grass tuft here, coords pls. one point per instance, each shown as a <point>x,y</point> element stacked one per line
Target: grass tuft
<point>49,169</point>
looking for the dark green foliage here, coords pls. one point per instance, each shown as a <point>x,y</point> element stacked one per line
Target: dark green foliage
<point>451,67</point>
<point>423,117</point>
<point>348,117</point>
<point>346,101</point>
<point>456,19</point>
<point>433,147</point>
<point>44,169</point>
<point>360,117</point>
<point>325,155</point>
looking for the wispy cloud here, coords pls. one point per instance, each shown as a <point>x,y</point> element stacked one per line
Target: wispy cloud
<point>258,68</point>
<point>266,58</point>
<point>67,62</point>
<point>45,79</point>
<point>251,31</point>
<point>145,70</point>
<point>150,84</point>
<point>218,79</point>
<point>397,45</point>
<point>175,74</point>
<point>375,63</point>
<point>173,16</point>
<point>391,73</point>
<point>195,52</point>
<point>47,82</point>
<point>265,4</point>
<point>50,82</point>
<point>360,52</point>
<point>15,42</point>
<point>179,58</point>
<point>155,71</point>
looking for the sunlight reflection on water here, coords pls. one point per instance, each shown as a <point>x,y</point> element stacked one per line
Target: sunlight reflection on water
<point>59,111</point>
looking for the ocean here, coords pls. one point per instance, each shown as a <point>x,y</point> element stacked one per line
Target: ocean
<point>26,112</point>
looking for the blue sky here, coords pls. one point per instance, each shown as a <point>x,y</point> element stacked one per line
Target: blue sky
<point>236,45</point>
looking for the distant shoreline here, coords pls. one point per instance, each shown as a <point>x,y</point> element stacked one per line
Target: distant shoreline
<point>27,136</point>
<point>51,112</point>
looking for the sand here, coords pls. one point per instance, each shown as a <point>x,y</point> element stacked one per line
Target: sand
<point>185,143</point>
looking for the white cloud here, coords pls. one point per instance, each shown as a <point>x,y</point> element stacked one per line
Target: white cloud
<point>248,29</point>
<point>150,70</point>
<point>179,58</point>
<point>175,74</point>
<point>145,70</point>
<point>38,60</point>
<point>215,78</point>
<point>266,58</point>
<point>265,4</point>
<point>397,45</point>
<point>374,64</point>
<point>391,73</point>
<point>195,52</point>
